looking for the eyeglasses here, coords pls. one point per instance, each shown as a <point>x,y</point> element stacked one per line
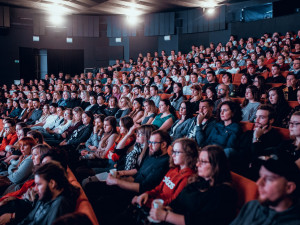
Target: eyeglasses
<point>176,152</point>
<point>221,90</point>
<point>139,134</point>
<point>6,127</point>
<point>154,142</point>
<point>292,124</point>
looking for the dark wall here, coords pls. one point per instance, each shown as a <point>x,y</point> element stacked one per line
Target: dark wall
<point>142,44</point>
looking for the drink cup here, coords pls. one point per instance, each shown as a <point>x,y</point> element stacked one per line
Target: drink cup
<point>158,203</point>
<point>113,172</point>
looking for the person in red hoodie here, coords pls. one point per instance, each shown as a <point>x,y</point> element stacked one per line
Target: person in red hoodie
<point>182,166</point>
<point>9,135</point>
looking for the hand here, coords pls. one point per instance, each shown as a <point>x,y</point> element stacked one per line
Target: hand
<point>47,129</point>
<point>142,199</point>
<point>200,117</point>
<point>84,152</point>
<point>259,131</point>
<point>95,129</point>
<point>134,200</point>
<point>93,148</point>
<point>110,180</point>
<point>5,218</point>
<point>63,143</point>
<point>158,214</point>
<point>133,128</point>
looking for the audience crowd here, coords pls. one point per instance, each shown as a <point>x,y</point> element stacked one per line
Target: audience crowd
<point>158,138</point>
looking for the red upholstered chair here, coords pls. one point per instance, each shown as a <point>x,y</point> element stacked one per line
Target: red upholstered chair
<point>246,126</point>
<point>246,189</point>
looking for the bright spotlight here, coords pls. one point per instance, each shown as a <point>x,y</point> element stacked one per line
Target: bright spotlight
<point>132,19</point>
<point>56,19</point>
<point>211,11</point>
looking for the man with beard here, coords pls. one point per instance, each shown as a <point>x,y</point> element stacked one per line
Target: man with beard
<point>256,142</point>
<point>57,196</point>
<point>112,197</point>
<point>223,95</point>
<point>278,187</point>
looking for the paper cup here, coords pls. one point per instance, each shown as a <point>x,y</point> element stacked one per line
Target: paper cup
<point>158,203</point>
<point>113,172</point>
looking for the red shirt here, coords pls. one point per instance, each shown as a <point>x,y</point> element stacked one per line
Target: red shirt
<point>9,140</point>
<point>170,187</point>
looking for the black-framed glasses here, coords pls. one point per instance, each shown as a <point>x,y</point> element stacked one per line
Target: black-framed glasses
<point>293,124</point>
<point>204,162</point>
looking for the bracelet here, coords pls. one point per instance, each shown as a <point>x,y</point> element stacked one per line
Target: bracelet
<point>167,212</point>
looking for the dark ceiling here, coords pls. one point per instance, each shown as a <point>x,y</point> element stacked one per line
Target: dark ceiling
<point>114,6</point>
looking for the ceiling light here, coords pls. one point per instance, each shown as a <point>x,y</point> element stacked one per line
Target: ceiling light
<point>210,11</point>
<point>56,19</point>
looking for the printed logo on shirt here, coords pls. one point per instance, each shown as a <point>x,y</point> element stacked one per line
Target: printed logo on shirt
<point>168,182</point>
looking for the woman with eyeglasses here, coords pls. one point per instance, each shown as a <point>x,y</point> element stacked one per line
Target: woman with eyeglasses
<point>209,198</point>
<point>290,148</point>
<point>182,166</point>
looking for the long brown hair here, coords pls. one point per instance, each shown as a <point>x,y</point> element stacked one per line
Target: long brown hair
<point>146,130</point>
<point>190,149</point>
<point>113,122</point>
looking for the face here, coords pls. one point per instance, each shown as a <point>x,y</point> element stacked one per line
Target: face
<point>67,115</point>
<point>42,189</point>
<point>100,100</point>
<point>294,126</point>
<point>244,80</point>
<point>59,111</point>
<point>291,81</point>
<point>85,119</point>
<point>36,104</point>
<point>154,145</point>
<point>194,79</point>
<point>163,107</point>
<point>271,187</point>
<point>112,102</point>
<point>195,92</point>
<point>77,116</point>
<point>152,91</point>
<point>178,155</point>
<point>225,79</point>
<point>45,109</point>
<point>107,126</point>
<point>176,88</point>
<point>52,109</point>
<point>248,94</point>
<point>262,118</point>
<point>204,166</point>
<point>275,70</point>
<point>36,157</point>
<point>123,129</point>
<point>182,109</point>
<point>273,97</point>
<point>296,64</point>
<point>226,113</point>
<point>8,128</point>
<point>25,149</point>
<point>221,91</point>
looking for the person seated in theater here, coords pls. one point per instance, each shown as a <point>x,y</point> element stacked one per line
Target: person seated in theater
<point>290,89</point>
<point>158,84</point>
<point>16,109</point>
<point>56,195</point>
<point>154,95</point>
<point>113,196</point>
<point>36,113</point>
<point>227,130</point>
<point>296,50</point>
<point>202,123</point>
<point>276,75</point>
<point>253,143</point>
<point>209,198</point>
<point>211,81</point>
<point>261,68</point>
<point>93,104</point>
<point>296,68</point>
<point>219,68</point>
<point>74,100</point>
<point>234,67</point>
<point>223,95</point>
<point>269,57</point>
<point>281,62</point>
<point>24,110</point>
<point>227,80</point>
<point>278,189</point>
<point>278,102</point>
<point>251,71</point>
<point>8,135</point>
<point>250,103</point>
<point>8,108</point>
